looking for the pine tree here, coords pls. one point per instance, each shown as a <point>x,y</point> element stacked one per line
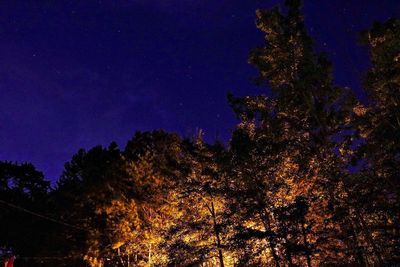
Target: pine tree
<point>284,149</point>
<point>377,185</point>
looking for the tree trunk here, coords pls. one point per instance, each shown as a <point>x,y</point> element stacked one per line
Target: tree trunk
<point>359,253</point>
<point>149,262</point>
<point>272,246</point>
<point>217,235</point>
<point>368,236</point>
<point>288,252</point>
<point>271,241</point>
<point>308,252</point>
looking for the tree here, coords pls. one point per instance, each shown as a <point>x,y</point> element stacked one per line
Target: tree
<point>200,226</point>
<point>285,148</point>
<point>91,182</point>
<point>23,195</point>
<point>378,127</point>
<point>122,199</point>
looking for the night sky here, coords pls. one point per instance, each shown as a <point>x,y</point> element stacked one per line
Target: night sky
<point>80,73</point>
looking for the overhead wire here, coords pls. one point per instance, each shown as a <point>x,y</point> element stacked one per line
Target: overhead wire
<point>40,215</point>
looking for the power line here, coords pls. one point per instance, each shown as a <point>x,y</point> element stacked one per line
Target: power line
<point>40,215</point>
<point>48,258</point>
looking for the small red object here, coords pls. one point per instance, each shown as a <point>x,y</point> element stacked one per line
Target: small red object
<point>9,262</point>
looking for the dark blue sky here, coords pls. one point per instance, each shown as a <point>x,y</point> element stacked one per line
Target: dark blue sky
<point>80,73</point>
